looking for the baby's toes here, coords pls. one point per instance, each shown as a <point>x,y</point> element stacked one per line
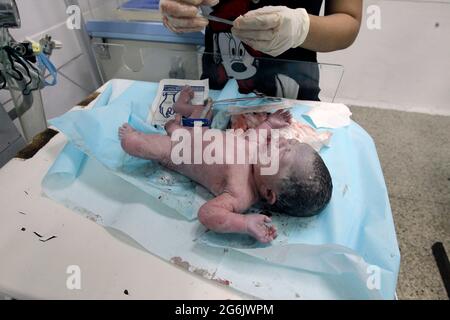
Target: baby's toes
<point>187,94</point>
<point>121,132</point>
<point>128,128</point>
<point>125,130</point>
<point>191,92</point>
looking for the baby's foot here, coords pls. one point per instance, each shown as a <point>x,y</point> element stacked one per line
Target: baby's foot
<point>183,105</point>
<point>131,140</point>
<point>258,226</point>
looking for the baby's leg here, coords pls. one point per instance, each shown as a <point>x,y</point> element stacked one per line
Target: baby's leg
<point>146,146</point>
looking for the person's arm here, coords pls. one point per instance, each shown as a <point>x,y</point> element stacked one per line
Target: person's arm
<point>338,29</point>
<point>276,29</point>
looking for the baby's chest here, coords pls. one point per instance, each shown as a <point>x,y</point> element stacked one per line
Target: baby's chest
<point>239,184</point>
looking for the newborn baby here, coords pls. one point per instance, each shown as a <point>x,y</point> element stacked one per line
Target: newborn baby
<point>302,186</point>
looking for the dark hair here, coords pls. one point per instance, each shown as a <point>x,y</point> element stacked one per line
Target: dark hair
<point>305,194</point>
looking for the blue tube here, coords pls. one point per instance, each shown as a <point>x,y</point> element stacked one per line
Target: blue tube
<point>45,64</point>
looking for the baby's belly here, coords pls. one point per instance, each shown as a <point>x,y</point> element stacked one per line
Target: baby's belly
<point>207,163</point>
<point>212,177</point>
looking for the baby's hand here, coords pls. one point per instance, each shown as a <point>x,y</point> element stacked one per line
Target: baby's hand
<point>280,119</point>
<point>259,228</point>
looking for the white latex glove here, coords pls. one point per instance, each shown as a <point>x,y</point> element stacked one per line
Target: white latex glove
<point>183,15</point>
<point>273,30</point>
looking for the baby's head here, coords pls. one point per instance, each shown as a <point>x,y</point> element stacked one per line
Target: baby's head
<point>302,187</point>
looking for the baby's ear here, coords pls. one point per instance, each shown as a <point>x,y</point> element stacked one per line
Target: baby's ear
<point>271,197</point>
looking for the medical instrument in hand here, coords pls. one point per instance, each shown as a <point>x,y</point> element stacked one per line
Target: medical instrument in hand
<point>217,19</point>
<point>249,101</point>
<point>205,13</point>
<point>259,103</point>
<point>23,69</point>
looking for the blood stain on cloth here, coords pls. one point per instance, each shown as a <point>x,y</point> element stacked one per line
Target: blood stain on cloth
<point>202,272</point>
<point>222,281</point>
<point>179,262</point>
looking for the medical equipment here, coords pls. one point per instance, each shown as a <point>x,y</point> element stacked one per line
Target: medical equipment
<point>217,19</point>
<point>206,13</point>
<point>189,122</point>
<point>127,38</point>
<point>259,100</point>
<point>23,67</point>
<point>259,103</point>
<point>9,14</point>
<point>11,142</point>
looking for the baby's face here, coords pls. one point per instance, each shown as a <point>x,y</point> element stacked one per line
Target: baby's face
<point>291,159</point>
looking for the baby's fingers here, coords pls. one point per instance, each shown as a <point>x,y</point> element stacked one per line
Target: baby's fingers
<point>278,112</point>
<point>287,115</point>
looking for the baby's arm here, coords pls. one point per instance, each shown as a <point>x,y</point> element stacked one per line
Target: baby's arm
<point>220,215</point>
<point>277,120</point>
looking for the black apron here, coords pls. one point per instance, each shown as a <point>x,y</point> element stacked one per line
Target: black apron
<point>230,58</point>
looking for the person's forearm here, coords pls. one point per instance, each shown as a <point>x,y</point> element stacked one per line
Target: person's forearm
<point>333,32</point>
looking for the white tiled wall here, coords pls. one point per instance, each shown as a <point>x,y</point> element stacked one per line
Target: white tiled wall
<point>74,81</point>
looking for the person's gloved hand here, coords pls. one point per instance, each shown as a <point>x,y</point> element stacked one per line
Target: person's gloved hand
<point>183,16</point>
<point>273,30</point>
